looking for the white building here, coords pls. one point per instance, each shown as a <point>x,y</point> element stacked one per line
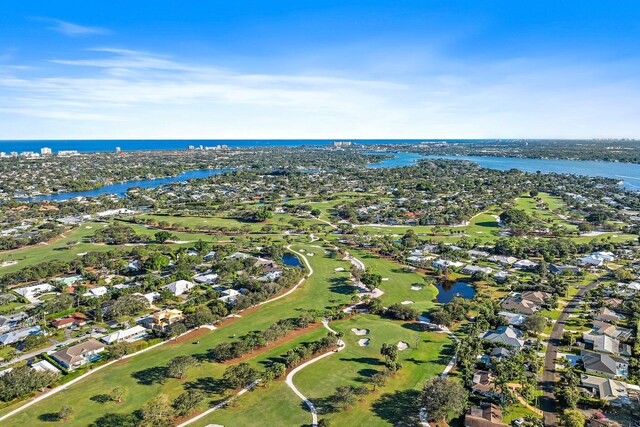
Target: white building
<point>128,335</point>
<point>179,287</point>
<point>32,292</point>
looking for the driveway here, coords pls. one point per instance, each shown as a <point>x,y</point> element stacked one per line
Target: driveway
<point>548,400</point>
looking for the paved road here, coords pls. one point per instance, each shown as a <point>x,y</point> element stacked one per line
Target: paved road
<point>548,401</point>
<point>289,379</point>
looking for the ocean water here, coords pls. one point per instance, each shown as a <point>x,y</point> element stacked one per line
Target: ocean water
<point>175,144</point>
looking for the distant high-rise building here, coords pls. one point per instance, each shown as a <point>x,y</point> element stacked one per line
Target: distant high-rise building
<point>341,144</point>
<point>192,147</point>
<point>45,151</point>
<point>118,149</point>
<point>65,153</point>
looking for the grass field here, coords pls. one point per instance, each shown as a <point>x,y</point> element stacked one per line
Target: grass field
<point>394,404</point>
<point>325,287</point>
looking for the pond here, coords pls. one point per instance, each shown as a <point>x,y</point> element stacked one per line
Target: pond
<point>448,291</point>
<point>290,260</point>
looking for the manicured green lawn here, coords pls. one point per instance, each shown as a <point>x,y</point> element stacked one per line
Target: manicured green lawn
<point>385,407</point>
<point>326,287</point>
<point>57,250</point>
<point>388,406</point>
<point>398,288</point>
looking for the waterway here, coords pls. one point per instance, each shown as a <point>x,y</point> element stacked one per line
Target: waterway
<point>119,189</point>
<point>628,173</point>
<point>448,291</point>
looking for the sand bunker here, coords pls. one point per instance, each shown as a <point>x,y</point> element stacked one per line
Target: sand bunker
<point>416,288</point>
<point>406,302</point>
<point>385,279</point>
<point>402,345</point>
<point>363,342</point>
<point>360,331</point>
<point>339,269</point>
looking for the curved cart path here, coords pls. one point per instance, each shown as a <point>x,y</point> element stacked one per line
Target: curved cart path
<point>289,380</point>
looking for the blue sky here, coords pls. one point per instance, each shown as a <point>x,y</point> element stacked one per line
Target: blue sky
<point>319,69</point>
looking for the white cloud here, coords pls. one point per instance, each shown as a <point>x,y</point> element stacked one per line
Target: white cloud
<point>116,93</point>
<point>71,29</point>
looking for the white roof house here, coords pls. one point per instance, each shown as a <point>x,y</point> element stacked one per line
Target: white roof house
<point>179,287</point>
<point>96,292</point>
<point>445,263</point>
<point>270,276</point>
<point>205,277</point>
<point>525,264</point>
<point>605,255</point>
<point>44,366</point>
<point>229,295</point>
<point>18,334</point>
<point>32,292</point>
<point>128,335</point>
<point>591,260</point>
<point>151,296</point>
<point>238,255</point>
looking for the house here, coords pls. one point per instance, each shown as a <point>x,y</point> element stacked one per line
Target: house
<point>76,319</point>
<point>96,292</point>
<point>602,343</point>
<point>229,295</point>
<point>612,391</point>
<point>270,276</point>
<point>162,319</point>
<point>502,260</point>
<point>536,296</point>
<point>607,315</point>
<point>151,296</point>
<point>590,260</point>
<point>443,264</point>
<point>487,415</point>
<point>474,269</point>
<point>69,280</point>
<point>512,318</point>
<point>18,335</point>
<point>238,255</point>
<point>31,293</point>
<point>605,364</point>
<point>483,385</point>
<point>561,269</point>
<point>209,256</point>
<point>517,304</point>
<point>44,366</point>
<point>525,264</point>
<point>79,354</point>
<point>128,335</point>
<point>500,276</point>
<point>205,278</point>
<point>613,331</point>
<point>179,287</point>
<point>605,255</point>
<point>507,335</point>
<point>10,322</point>
<point>267,265</point>
<point>477,254</point>
<point>612,302</point>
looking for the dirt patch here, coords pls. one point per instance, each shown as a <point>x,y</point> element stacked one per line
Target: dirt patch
<point>290,336</point>
<point>190,336</point>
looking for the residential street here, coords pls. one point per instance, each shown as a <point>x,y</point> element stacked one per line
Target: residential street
<point>548,400</point>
